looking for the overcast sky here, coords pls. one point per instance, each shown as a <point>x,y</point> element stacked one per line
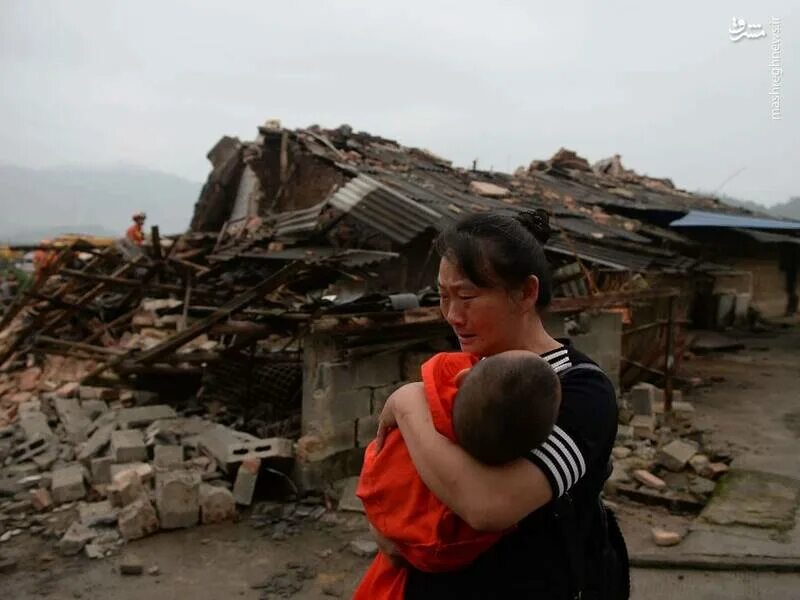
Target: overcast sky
<point>156,83</point>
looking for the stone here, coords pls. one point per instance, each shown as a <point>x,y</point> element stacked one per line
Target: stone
<point>142,416</point>
<point>702,486</point>
<point>127,445</point>
<point>621,452</point>
<point>643,426</point>
<point>7,564</point>
<point>154,570</point>
<point>717,470</point>
<point>643,398</point>
<point>126,487</point>
<point>100,469</point>
<point>41,499</point>
<point>68,484</point>
<point>131,564</point>
<point>648,479</point>
<point>137,519</point>
<point>167,457</point>
<point>617,477</point>
<point>246,478</point>
<point>96,442</point>
<point>664,537</point>
<point>178,498</point>
<point>94,408</point>
<point>75,538</point>
<point>363,548</point>
<point>676,454</point>
<point>216,504</point>
<point>92,514</point>
<point>699,464</point>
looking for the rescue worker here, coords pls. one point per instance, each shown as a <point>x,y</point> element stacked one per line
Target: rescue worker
<point>494,284</point>
<point>43,258</point>
<point>135,232</point>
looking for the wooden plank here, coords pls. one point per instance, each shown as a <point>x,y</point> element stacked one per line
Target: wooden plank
<point>79,346</point>
<point>155,235</point>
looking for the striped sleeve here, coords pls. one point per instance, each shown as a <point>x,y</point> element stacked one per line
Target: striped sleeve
<point>561,461</point>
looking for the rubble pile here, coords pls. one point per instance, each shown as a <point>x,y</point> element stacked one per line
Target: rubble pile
<point>96,467</point>
<point>661,458</point>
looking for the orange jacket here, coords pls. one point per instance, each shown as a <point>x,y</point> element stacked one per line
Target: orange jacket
<point>135,234</point>
<point>428,535</point>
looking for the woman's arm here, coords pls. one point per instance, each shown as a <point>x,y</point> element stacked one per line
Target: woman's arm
<point>488,498</point>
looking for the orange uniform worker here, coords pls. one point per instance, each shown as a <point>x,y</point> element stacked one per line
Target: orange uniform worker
<point>135,232</point>
<point>43,258</point>
<point>402,508</point>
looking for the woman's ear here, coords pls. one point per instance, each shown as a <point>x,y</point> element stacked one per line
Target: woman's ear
<point>459,378</point>
<point>530,293</point>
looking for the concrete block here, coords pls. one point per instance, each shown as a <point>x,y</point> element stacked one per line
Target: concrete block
<point>178,498</point>
<point>676,454</point>
<point>327,442</point>
<point>374,371</point>
<point>27,450</point>
<point>246,478</point>
<point>643,426</point>
<point>643,399</point>
<point>228,447</point>
<point>94,408</point>
<point>96,442</point>
<point>93,514</point>
<point>216,504</point>
<point>142,416</point>
<point>348,500</point>
<point>75,538</point>
<point>624,434</point>
<point>381,394</point>
<point>649,480</point>
<point>86,392</point>
<point>45,460</point>
<point>100,469</point>
<point>127,445</point>
<point>137,519</point>
<point>73,418</point>
<point>68,484</point>
<point>345,405</point>
<point>34,425</point>
<point>68,390</point>
<point>717,470</point>
<point>125,488</point>
<point>167,457</point>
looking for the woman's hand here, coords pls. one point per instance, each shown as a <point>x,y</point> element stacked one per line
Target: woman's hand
<point>410,397</point>
<point>388,548</point>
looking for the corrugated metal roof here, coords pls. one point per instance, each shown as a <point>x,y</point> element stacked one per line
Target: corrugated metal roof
<point>349,257</point>
<point>297,221</point>
<point>383,208</point>
<point>601,255</point>
<point>699,218</point>
<point>769,238</point>
<point>589,228</point>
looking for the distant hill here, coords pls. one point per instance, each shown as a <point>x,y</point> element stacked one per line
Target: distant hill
<point>95,200</point>
<point>788,210</point>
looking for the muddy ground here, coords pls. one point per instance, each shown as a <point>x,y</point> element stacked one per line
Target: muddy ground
<point>753,407</point>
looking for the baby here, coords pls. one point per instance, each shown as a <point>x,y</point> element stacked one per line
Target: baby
<point>497,409</point>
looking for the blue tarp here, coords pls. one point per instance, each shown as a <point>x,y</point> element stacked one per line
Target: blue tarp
<point>699,218</point>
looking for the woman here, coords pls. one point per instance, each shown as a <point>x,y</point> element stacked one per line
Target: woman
<point>494,282</point>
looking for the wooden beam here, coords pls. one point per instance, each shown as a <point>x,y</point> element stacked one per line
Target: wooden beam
<point>79,346</point>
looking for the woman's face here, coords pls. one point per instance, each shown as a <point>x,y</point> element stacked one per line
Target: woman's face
<point>485,320</point>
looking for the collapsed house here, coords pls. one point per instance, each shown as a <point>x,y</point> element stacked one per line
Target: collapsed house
<point>302,295</point>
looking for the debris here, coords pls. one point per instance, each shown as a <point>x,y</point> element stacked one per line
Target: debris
<point>490,190</point>
<point>75,538</point>
<point>621,452</point>
<point>717,470</point>
<point>92,514</point>
<point>702,486</point>
<point>216,504</point>
<point>167,457</point>
<point>643,397</point>
<point>137,519</point>
<point>154,570</point>
<point>676,454</point>
<point>41,499</point>
<point>643,426</point>
<point>131,564</point>
<point>246,478</point>
<point>68,484</point>
<point>142,416</point>
<point>664,537</point>
<point>126,487</point>
<point>178,499</point>
<point>127,445</point>
<point>700,464</point>
<point>7,564</point>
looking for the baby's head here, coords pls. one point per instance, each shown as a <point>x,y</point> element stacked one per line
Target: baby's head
<point>506,405</point>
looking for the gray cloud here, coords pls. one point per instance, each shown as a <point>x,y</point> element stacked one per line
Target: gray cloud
<point>156,83</point>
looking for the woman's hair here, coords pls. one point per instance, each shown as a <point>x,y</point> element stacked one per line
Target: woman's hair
<point>502,249</point>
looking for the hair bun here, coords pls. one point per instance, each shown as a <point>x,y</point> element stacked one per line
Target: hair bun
<point>537,222</point>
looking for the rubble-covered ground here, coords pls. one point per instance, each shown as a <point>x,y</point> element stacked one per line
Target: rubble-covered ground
<point>311,550</point>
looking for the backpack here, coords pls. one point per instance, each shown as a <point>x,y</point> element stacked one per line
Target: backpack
<point>609,578</point>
